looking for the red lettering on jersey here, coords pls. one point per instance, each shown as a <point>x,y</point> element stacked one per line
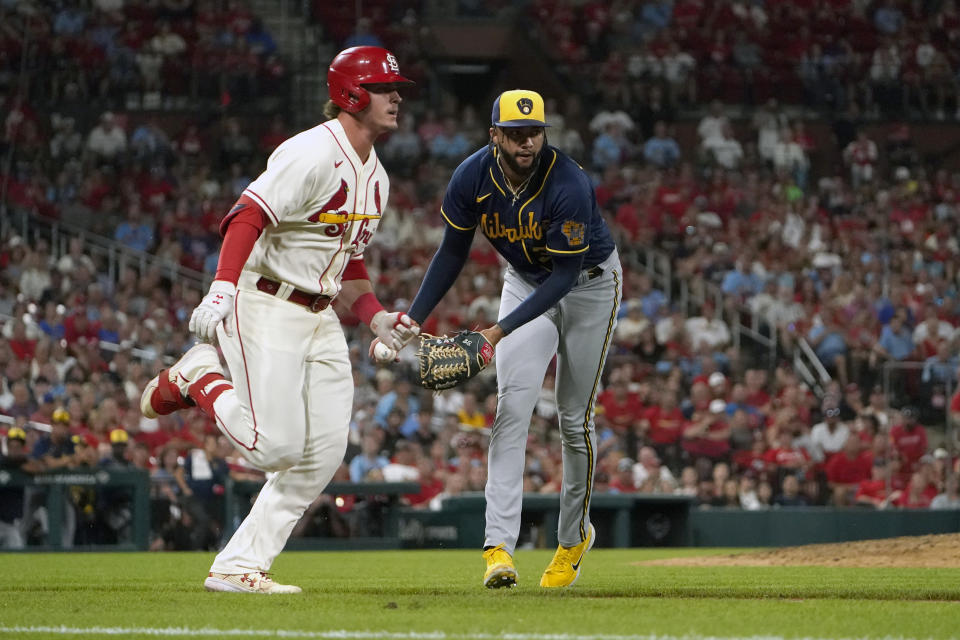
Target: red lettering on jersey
<point>363,236</point>
<point>333,205</point>
<point>376,197</point>
<point>334,230</point>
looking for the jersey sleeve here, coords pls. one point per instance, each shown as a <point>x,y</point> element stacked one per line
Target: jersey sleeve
<point>459,208</point>
<point>283,186</point>
<point>573,202</point>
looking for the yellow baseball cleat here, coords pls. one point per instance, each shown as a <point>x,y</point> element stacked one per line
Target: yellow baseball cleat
<point>500,569</point>
<point>564,569</point>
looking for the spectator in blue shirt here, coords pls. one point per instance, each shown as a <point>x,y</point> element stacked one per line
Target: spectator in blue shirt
<point>740,281</point>
<point>368,459</point>
<point>450,145</point>
<point>654,17</point>
<point>888,19</point>
<point>363,37</point>
<point>69,21</point>
<point>133,232</point>
<point>260,40</point>
<point>942,366</point>
<point>829,344</point>
<point>211,261</point>
<point>661,150</point>
<point>611,147</point>
<point>896,339</point>
<point>652,301</point>
<point>400,398</point>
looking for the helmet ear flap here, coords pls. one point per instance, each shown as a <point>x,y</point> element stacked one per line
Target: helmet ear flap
<point>345,93</point>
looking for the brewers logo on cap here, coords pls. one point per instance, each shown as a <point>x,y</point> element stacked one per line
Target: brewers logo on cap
<point>518,108</point>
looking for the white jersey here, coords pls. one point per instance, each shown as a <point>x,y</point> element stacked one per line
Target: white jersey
<point>324,205</point>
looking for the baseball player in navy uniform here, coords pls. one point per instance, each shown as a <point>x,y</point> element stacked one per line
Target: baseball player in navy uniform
<point>292,242</point>
<point>561,292</point>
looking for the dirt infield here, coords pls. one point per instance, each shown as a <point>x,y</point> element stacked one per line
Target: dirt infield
<point>911,551</point>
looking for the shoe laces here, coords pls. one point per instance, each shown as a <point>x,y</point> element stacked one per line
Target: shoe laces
<point>497,555</point>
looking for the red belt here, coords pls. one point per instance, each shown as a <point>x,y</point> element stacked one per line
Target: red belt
<point>314,302</point>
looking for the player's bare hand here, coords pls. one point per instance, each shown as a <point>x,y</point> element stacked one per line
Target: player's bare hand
<point>395,329</point>
<point>216,307</point>
<point>493,334</point>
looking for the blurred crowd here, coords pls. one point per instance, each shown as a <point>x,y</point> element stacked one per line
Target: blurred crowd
<point>892,57</point>
<point>844,240</point>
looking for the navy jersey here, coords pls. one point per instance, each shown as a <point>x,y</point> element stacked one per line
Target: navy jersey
<point>556,214</point>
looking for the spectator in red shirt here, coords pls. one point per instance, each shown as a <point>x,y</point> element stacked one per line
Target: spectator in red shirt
<point>707,434</point>
<point>77,328</point>
<point>909,438</point>
<point>622,406</point>
<point>867,427</point>
<point>926,467</point>
<point>431,484</point>
<point>847,469</point>
<point>876,491</point>
<point>914,496</point>
<point>22,346</point>
<point>786,456</point>
<point>752,460</point>
<point>623,479</point>
<point>665,425</point>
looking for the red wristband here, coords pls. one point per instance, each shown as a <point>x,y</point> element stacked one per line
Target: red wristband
<point>365,307</point>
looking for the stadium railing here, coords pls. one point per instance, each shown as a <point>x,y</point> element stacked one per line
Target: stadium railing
<point>902,383</point>
<point>808,366</point>
<point>115,255</point>
<point>622,520</point>
<point>239,496</point>
<point>54,488</point>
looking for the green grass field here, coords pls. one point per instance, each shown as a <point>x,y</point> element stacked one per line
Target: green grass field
<point>437,594</point>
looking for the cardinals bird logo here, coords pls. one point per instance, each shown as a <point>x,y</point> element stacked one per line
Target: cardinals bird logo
<point>333,205</point>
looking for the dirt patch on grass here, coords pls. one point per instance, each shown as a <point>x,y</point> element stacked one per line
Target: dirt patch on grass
<point>911,551</point>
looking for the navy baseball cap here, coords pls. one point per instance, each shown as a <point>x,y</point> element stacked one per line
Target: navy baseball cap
<point>518,108</point>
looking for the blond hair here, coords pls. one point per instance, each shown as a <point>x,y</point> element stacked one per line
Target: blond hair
<point>331,110</point>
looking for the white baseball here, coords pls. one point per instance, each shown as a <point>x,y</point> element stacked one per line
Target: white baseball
<point>383,353</point>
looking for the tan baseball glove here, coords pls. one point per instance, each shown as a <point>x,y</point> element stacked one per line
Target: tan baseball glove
<point>446,361</point>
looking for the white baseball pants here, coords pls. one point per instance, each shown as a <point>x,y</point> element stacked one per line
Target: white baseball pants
<point>289,412</point>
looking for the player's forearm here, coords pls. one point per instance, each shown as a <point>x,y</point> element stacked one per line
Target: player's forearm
<point>358,296</point>
<point>444,268</point>
<point>558,284</point>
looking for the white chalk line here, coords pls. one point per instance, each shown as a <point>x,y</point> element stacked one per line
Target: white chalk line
<point>344,634</point>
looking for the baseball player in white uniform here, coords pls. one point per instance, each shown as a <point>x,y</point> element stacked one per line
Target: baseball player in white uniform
<point>292,242</point>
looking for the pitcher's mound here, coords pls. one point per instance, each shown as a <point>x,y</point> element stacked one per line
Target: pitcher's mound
<point>911,551</point>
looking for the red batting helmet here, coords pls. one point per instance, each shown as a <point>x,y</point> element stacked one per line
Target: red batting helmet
<point>358,66</point>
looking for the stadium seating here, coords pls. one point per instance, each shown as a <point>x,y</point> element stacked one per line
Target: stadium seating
<point>791,271</point>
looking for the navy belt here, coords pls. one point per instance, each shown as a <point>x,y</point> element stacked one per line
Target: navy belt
<point>594,272</point>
